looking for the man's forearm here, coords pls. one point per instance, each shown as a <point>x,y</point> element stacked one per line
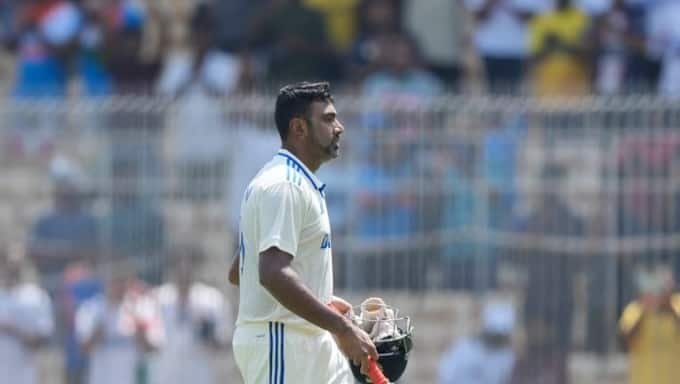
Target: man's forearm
<point>291,292</point>
<point>29,339</point>
<point>234,277</point>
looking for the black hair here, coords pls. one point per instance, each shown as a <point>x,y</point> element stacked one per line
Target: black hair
<point>294,101</point>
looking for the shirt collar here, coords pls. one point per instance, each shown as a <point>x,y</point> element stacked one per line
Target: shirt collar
<point>318,184</point>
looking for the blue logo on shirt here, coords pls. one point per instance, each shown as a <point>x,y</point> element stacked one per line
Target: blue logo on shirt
<point>326,242</point>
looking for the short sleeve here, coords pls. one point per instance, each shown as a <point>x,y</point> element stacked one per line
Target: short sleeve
<point>280,217</point>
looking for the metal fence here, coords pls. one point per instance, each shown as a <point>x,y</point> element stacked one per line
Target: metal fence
<point>562,205</point>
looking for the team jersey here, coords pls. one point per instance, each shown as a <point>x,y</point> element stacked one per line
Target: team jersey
<point>284,207</point>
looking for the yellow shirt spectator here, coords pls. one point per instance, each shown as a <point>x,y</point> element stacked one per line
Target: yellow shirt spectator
<point>340,20</point>
<point>653,342</point>
<point>556,41</point>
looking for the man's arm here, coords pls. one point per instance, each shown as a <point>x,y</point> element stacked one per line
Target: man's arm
<point>630,321</point>
<point>284,284</point>
<point>277,276</point>
<point>27,338</point>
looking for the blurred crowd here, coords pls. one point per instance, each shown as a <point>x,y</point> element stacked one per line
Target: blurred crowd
<point>117,296</point>
<point>217,47</point>
<point>110,313</point>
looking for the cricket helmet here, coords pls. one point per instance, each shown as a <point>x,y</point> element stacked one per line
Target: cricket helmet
<point>393,349</point>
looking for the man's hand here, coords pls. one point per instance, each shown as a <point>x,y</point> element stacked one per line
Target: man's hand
<point>357,346</point>
<point>341,305</point>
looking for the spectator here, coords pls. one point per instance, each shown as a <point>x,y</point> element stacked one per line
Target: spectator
<point>92,67</point>
<point>196,320</point>
<point>440,30</point>
<point>294,39</point>
<point>340,21</point>
<point>558,48</point>
<point>125,25</point>
<point>63,245</point>
<point>68,234</point>
<point>386,211</point>
<point>643,211</point>
<point>26,321</point>
<point>79,285</point>
<point>549,304</point>
<point>458,213</point>
<point>401,77</point>
<point>198,79</point>
<point>644,65</point>
<point>615,42</point>
<point>500,38</point>
<point>383,179</point>
<point>486,358</point>
<point>540,364</point>
<point>47,33</point>
<point>650,327</point>
<point>173,18</point>
<point>377,18</point>
<point>44,39</point>
<point>117,328</point>
<point>137,228</point>
<point>664,43</point>
<point>498,167</point>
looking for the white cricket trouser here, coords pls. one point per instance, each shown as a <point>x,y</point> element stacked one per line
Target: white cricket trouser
<point>271,353</point>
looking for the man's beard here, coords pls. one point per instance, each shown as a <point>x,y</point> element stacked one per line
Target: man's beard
<point>333,149</point>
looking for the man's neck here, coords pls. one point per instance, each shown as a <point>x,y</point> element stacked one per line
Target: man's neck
<point>312,165</point>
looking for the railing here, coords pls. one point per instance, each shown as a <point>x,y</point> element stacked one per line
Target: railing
<point>555,201</point>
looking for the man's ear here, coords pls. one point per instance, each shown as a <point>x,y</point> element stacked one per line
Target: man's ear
<point>298,127</point>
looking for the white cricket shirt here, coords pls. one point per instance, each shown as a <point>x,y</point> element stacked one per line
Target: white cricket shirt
<point>114,359</point>
<point>284,207</point>
<point>184,357</point>
<point>28,308</point>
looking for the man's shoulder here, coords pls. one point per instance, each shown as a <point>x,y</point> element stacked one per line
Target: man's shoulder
<point>277,178</point>
<point>32,293</point>
<point>57,219</point>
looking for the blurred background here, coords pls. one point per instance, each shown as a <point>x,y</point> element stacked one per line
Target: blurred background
<point>510,179</point>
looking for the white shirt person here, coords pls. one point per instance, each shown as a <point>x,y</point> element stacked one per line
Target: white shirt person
<point>25,320</point>
<point>284,267</point>
<point>196,320</point>
<point>116,329</point>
